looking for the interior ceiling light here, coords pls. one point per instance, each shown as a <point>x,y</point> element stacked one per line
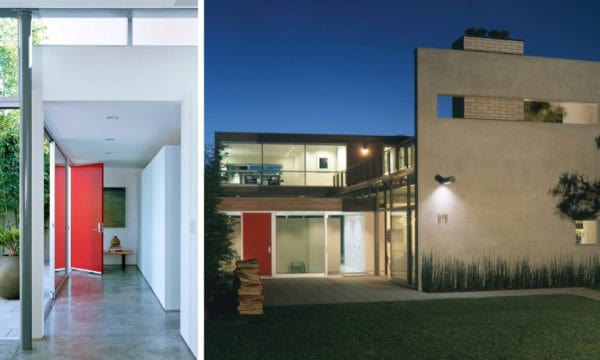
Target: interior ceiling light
<point>112,117</point>
<point>109,139</point>
<point>107,153</point>
<point>445,180</point>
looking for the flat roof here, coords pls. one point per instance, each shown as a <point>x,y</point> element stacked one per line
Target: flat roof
<point>308,138</point>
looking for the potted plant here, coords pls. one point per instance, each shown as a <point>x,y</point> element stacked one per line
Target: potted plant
<point>9,264</point>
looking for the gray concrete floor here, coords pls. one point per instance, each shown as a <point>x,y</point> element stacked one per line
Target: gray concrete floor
<point>115,316</point>
<point>292,291</point>
<point>10,319</point>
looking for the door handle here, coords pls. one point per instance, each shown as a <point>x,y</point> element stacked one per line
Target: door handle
<point>99,228</point>
<point>269,249</point>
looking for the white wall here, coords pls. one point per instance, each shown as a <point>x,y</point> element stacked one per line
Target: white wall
<point>127,178</point>
<point>158,246</point>
<point>117,73</point>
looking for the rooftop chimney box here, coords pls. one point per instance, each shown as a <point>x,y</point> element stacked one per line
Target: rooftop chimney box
<point>496,41</point>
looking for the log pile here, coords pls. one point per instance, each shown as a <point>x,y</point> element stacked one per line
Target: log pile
<point>250,299</point>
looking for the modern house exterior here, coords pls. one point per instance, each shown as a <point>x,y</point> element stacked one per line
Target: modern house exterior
<point>473,183</point>
<point>503,157</point>
<point>320,205</point>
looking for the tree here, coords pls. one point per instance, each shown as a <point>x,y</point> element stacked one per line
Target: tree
<point>218,249</point>
<point>542,111</point>
<point>9,120</point>
<point>579,198</point>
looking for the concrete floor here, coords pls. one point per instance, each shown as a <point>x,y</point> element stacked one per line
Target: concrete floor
<point>115,316</point>
<point>292,291</point>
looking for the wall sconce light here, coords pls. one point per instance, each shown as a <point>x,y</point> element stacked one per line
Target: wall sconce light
<point>445,180</point>
<point>364,150</point>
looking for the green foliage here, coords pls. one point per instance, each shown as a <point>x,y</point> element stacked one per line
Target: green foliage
<point>451,274</point>
<point>541,111</point>
<point>9,122</point>
<point>9,240</point>
<point>218,249</point>
<point>9,168</point>
<point>579,198</point>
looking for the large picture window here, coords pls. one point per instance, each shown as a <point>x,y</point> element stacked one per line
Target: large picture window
<point>300,244</point>
<point>282,164</point>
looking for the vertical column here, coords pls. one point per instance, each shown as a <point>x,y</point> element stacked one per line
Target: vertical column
<point>130,28</point>
<point>409,243</point>
<point>26,157</point>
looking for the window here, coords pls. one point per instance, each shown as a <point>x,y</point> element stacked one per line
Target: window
<point>323,162</point>
<point>300,244</point>
<point>242,163</point>
<point>389,159</point>
<point>83,31</point>
<point>283,164</point>
<point>586,232</point>
<point>165,31</point>
<point>561,112</point>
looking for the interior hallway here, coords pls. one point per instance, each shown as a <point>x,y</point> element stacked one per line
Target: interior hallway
<point>115,316</point>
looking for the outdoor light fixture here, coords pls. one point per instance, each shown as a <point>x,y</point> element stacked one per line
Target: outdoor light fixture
<point>445,180</point>
<point>364,150</point>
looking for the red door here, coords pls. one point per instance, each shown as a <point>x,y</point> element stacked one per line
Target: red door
<point>256,228</point>
<point>87,186</point>
<point>59,217</point>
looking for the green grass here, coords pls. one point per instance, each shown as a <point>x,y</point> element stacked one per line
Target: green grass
<point>531,327</point>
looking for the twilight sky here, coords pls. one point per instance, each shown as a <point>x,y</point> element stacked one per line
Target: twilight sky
<point>346,66</point>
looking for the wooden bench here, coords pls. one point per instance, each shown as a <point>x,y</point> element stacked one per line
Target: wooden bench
<point>123,253</point>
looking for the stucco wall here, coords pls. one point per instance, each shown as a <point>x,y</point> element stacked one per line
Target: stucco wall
<point>500,204</point>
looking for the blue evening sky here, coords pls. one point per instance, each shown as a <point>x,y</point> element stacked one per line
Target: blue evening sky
<point>346,66</point>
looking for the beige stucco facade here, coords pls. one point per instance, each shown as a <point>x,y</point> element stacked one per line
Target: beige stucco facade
<point>500,203</point>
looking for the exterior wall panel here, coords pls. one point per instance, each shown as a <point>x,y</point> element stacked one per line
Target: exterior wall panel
<point>499,204</point>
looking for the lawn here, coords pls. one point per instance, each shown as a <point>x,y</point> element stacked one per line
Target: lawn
<point>531,327</point>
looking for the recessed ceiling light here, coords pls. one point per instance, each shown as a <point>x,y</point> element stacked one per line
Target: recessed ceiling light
<point>112,117</point>
<point>107,153</point>
<point>109,139</point>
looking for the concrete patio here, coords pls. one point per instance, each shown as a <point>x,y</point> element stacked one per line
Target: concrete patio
<point>375,289</point>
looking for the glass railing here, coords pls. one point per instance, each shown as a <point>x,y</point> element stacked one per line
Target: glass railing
<point>280,178</point>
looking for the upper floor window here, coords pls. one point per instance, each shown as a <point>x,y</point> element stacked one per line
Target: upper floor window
<point>564,112</point>
<point>282,164</point>
<point>515,109</point>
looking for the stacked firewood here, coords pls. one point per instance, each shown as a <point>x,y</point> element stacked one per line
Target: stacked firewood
<point>250,299</point>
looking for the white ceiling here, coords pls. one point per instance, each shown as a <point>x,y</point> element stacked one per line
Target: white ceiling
<point>97,4</point>
<point>140,129</point>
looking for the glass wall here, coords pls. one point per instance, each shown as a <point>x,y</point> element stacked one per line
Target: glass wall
<point>282,164</point>
<point>323,162</point>
<point>300,244</point>
<point>242,164</point>
<point>397,158</point>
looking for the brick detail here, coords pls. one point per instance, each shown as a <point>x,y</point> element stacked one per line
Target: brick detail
<point>490,45</point>
<point>493,108</point>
